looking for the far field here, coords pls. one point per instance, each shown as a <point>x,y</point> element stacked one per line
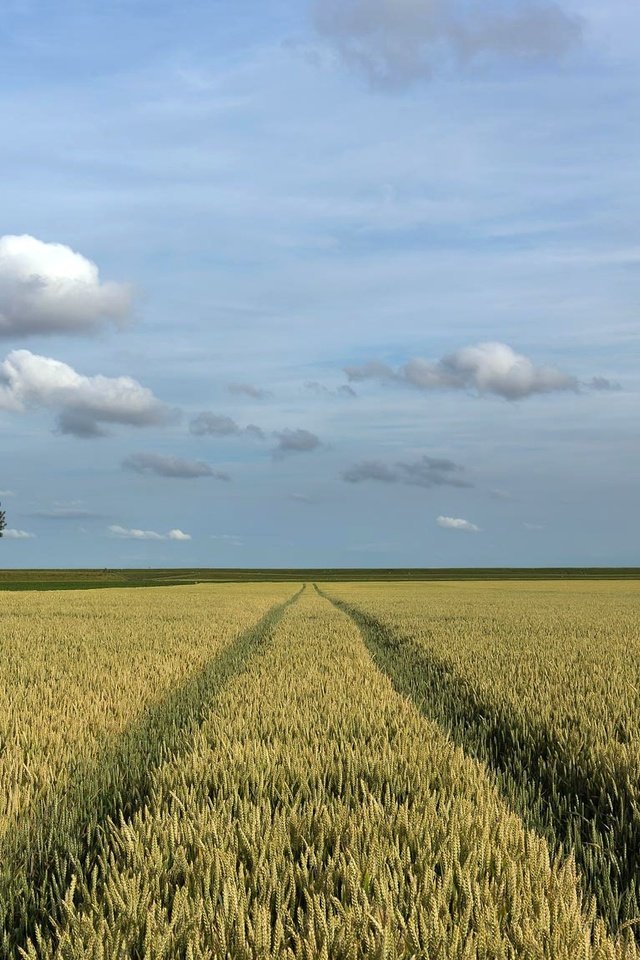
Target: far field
<point>78,579</point>
<point>317,768</point>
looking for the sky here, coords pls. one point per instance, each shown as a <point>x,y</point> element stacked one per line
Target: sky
<point>325,283</point>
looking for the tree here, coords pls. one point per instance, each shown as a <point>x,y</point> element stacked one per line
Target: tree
<point>3,521</point>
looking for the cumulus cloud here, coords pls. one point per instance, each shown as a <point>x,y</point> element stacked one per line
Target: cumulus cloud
<point>48,288</point>
<point>176,534</point>
<point>425,472</point>
<point>174,467</point>
<point>217,425</point>
<point>487,368</point>
<point>12,534</point>
<point>457,523</point>
<point>295,441</point>
<point>82,404</point>
<point>248,390</point>
<point>395,43</point>
<point>124,533</point>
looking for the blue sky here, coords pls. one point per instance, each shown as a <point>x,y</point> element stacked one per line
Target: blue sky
<point>397,239</point>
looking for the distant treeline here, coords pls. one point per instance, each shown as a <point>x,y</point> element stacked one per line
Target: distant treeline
<point>71,579</point>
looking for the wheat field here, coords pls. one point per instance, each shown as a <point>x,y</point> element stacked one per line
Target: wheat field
<point>290,770</point>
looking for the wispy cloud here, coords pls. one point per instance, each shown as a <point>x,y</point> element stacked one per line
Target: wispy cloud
<point>228,539</point>
<point>66,511</point>
<point>124,533</point>
<point>602,383</point>
<point>425,472</point>
<point>172,467</point>
<point>314,386</point>
<point>82,404</point>
<point>487,368</point>
<point>395,43</point>
<point>499,494</point>
<point>248,390</point>
<point>457,523</point>
<point>48,288</point>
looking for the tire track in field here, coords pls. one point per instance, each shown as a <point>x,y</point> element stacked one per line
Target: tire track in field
<point>39,870</point>
<point>570,799</point>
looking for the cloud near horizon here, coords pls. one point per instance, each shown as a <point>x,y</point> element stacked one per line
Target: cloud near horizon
<point>457,523</point>
<point>173,467</point>
<point>82,404</point>
<point>394,44</point>
<point>124,533</point>
<point>12,534</point>
<point>425,472</point>
<point>486,368</point>
<point>48,288</point>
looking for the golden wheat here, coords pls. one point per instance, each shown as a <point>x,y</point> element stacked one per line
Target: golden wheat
<point>318,814</point>
<point>542,682</point>
<point>94,686</point>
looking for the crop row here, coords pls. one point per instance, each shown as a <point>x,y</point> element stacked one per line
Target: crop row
<point>97,688</point>
<point>319,814</point>
<point>542,683</point>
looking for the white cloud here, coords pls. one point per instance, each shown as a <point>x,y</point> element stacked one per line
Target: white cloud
<point>178,535</point>
<point>48,288</point>
<point>7,493</point>
<point>124,533</point>
<point>394,43</point>
<point>12,534</point>
<point>82,404</point>
<point>457,523</point>
<point>486,368</point>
